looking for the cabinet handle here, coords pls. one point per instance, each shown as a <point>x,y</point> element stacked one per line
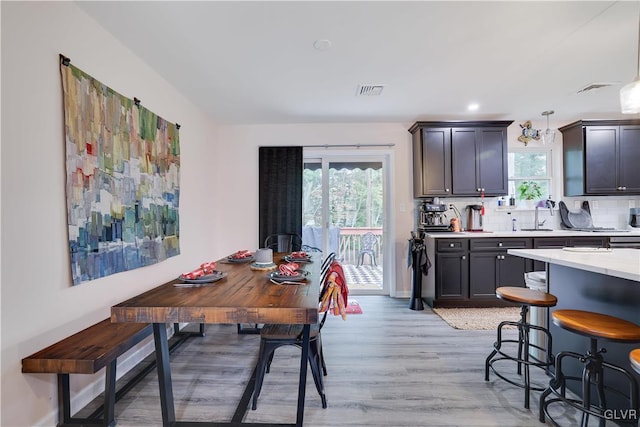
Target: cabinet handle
<point>500,244</point>
<point>451,245</point>
<point>624,188</point>
<point>619,188</point>
<point>446,190</point>
<point>463,257</point>
<point>483,189</point>
<point>478,189</point>
<point>499,256</point>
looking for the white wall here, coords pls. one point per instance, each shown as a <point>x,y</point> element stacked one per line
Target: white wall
<point>39,305</point>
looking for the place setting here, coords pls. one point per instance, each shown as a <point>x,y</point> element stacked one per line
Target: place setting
<point>288,274</point>
<point>202,276</point>
<point>299,257</point>
<point>241,256</point>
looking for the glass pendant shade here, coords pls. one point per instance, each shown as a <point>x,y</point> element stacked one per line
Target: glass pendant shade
<point>548,136</point>
<point>630,97</point>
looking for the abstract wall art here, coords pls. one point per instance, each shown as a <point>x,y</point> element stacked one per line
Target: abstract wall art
<point>122,179</point>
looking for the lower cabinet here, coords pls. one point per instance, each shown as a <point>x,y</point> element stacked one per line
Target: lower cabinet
<point>489,270</point>
<point>468,271</point>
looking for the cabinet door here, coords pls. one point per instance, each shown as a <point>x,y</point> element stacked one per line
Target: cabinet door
<point>463,162</point>
<point>491,144</point>
<point>600,159</point>
<point>436,161</point>
<point>452,276</point>
<point>628,157</point>
<point>511,270</point>
<point>483,274</point>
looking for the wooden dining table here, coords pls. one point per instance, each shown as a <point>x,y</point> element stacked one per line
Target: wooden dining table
<point>244,295</point>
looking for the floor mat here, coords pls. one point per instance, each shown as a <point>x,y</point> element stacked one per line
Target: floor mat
<point>477,318</point>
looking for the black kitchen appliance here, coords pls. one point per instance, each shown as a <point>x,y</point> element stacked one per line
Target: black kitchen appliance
<point>432,217</point>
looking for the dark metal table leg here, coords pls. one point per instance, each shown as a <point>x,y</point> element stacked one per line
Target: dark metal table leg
<point>303,373</point>
<point>164,374</point>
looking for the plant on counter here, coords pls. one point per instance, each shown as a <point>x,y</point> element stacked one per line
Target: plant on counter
<point>529,190</point>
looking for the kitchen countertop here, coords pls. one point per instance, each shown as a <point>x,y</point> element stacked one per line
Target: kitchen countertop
<point>618,262</point>
<point>554,233</point>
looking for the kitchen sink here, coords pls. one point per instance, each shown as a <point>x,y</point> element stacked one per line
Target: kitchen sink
<point>533,229</point>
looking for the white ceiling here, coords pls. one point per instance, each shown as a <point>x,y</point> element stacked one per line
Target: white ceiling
<point>254,62</point>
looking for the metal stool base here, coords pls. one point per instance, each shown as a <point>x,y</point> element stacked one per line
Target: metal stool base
<point>523,358</point>
<point>592,375</point>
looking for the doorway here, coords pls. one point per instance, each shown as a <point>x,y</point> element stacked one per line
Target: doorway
<point>344,210</point>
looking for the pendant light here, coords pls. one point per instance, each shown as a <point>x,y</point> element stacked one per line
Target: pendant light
<point>549,135</point>
<point>630,94</point>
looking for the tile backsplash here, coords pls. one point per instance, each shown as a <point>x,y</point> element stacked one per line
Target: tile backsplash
<point>605,212</point>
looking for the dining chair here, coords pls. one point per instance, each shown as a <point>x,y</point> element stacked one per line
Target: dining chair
<point>274,336</point>
<point>283,242</point>
<point>368,243</point>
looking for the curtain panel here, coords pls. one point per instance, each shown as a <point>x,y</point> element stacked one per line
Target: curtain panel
<point>280,199</point>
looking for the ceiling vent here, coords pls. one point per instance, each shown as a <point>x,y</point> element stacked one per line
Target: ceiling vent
<point>594,86</point>
<point>370,90</point>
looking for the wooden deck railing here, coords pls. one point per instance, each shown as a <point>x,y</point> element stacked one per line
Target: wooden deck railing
<point>350,244</point>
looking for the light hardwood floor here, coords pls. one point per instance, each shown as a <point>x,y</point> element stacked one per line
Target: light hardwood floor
<point>390,366</point>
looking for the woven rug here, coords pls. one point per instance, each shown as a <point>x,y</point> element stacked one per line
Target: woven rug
<point>477,318</point>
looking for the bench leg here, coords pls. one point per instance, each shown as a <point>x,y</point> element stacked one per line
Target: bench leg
<point>64,399</point>
<point>64,402</point>
<point>110,395</point>
<point>164,374</point>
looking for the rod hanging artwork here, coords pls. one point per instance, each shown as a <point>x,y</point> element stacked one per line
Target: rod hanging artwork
<point>122,179</point>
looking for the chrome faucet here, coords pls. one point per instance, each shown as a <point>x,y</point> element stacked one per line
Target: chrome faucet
<point>549,204</point>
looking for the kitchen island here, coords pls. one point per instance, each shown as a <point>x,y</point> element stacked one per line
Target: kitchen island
<point>602,281</point>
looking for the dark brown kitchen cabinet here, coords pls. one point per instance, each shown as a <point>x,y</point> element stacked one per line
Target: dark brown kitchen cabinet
<point>460,158</point>
<point>479,161</point>
<point>491,267</point>
<point>452,269</point>
<point>432,147</point>
<point>601,157</point>
<point>469,270</point>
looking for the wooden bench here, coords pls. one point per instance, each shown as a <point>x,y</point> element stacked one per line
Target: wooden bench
<point>86,352</point>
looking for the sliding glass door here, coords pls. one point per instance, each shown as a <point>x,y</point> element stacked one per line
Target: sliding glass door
<point>344,211</point>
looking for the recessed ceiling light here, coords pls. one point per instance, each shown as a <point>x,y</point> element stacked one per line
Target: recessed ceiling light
<point>322,45</point>
<point>473,107</point>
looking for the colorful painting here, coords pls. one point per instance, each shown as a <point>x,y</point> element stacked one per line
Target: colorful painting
<point>123,180</point>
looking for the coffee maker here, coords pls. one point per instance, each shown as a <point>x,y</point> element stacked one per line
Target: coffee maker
<point>432,217</point>
<point>474,217</point>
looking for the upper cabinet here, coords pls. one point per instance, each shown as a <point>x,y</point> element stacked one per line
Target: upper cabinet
<point>601,157</point>
<point>460,158</point>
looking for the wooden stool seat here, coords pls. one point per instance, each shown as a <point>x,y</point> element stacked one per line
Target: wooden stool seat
<point>634,358</point>
<point>597,325</point>
<point>526,296</point>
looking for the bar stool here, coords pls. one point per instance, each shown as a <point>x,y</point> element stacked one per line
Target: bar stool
<point>526,298</point>
<point>593,326</point>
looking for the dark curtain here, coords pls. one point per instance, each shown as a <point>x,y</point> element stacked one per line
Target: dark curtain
<point>280,188</point>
